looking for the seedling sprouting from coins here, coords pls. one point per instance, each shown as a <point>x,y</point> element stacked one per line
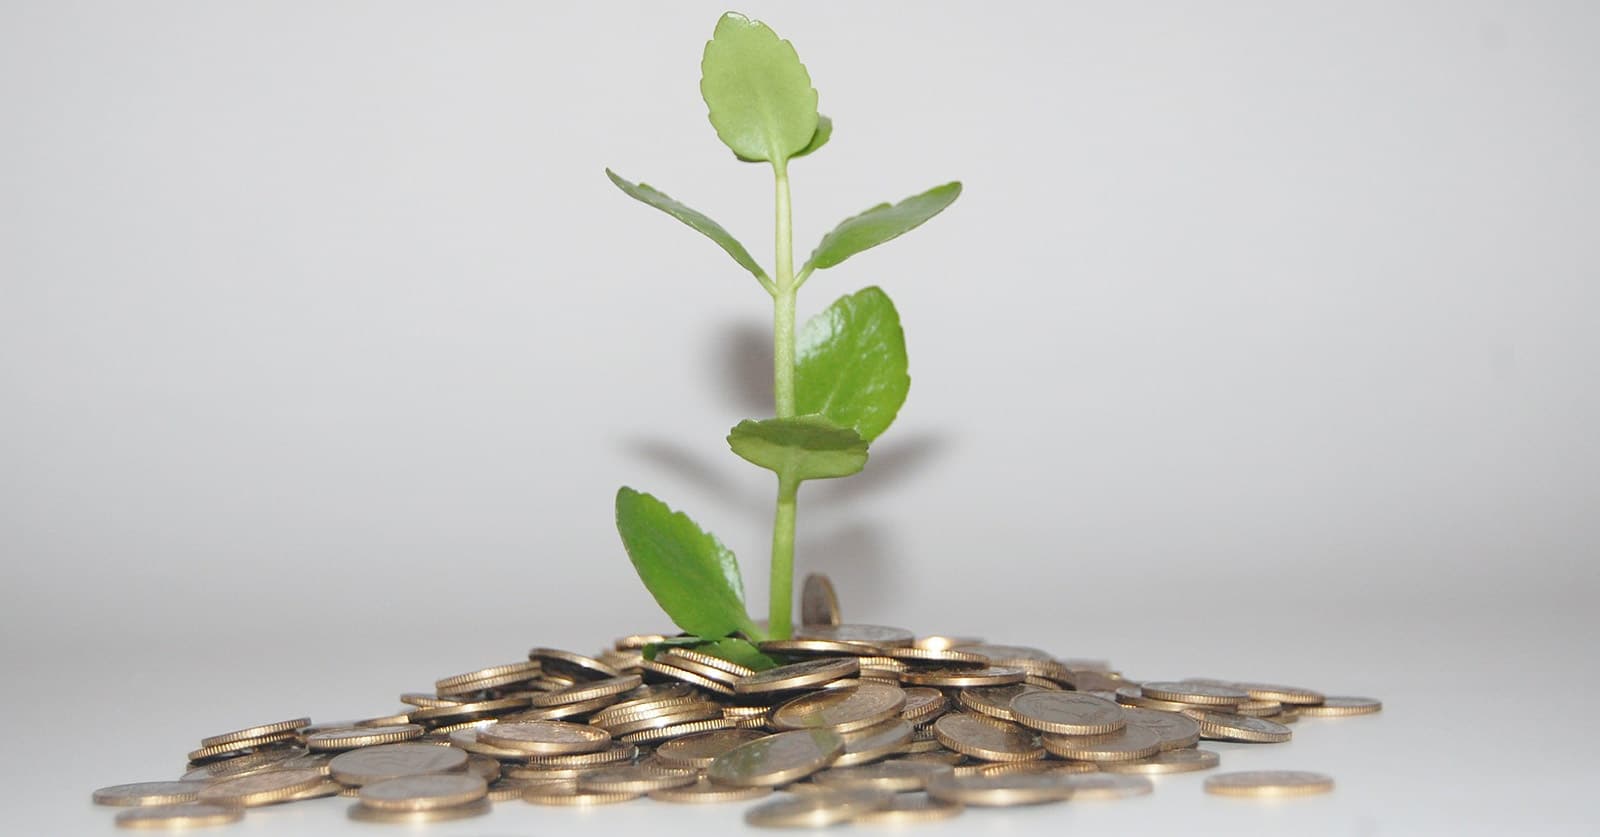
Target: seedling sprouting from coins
<point>838,381</point>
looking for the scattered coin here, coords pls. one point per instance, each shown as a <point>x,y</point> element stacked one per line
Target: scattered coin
<point>1224,726</point>
<point>587,691</point>
<point>704,790</point>
<point>842,710</point>
<point>815,810</point>
<point>797,676</point>
<point>1335,707</point>
<point>260,788</point>
<point>1107,786</point>
<point>350,739</point>
<point>989,739</point>
<point>777,759</point>
<point>1205,694</point>
<point>1126,744</point>
<point>1001,789</point>
<point>572,797</point>
<point>1269,783</point>
<point>184,815</point>
<point>424,792</point>
<point>576,666</point>
<point>894,776</point>
<point>259,731</point>
<point>819,605</point>
<point>994,701</point>
<point>149,793</point>
<point>390,761</point>
<point>700,750</point>
<point>635,778</point>
<point>546,737</point>
<point>1176,731</point>
<point>875,742</point>
<point>363,812</point>
<point>1169,761</point>
<point>908,808</point>
<point>963,677</point>
<point>1067,713</point>
<point>877,635</point>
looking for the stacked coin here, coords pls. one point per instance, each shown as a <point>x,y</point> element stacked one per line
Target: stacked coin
<point>857,722</point>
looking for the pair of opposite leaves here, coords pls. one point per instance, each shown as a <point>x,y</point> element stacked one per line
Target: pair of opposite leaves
<point>850,377</point>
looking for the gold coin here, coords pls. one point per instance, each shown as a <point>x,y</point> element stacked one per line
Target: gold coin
<point>184,815</point>
<point>1126,744</point>
<point>941,643</point>
<point>842,710</point>
<point>221,751</point>
<point>260,788</point>
<point>269,758</point>
<point>1258,708</point>
<point>1169,761</point>
<point>809,673</point>
<point>424,792</point>
<point>700,750</point>
<point>1067,713</point>
<point>637,642</point>
<point>704,790</point>
<point>989,739</point>
<point>1000,789</point>
<point>1134,696</point>
<point>350,739</point>
<point>1202,694</point>
<point>963,677</point>
<point>712,673</point>
<point>467,739</point>
<point>777,759</point>
<point>1040,766</point>
<point>875,635</point>
<point>1269,783</point>
<point>944,657</point>
<point>487,678</point>
<point>820,809</point>
<point>362,812</point>
<point>634,778</point>
<point>1107,786</point>
<point>892,776</point>
<point>574,798</point>
<point>994,701</point>
<point>1225,726</point>
<point>873,743</point>
<point>149,793</point>
<point>687,676</point>
<point>469,711</point>
<point>542,772</point>
<point>384,720</point>
<point>256,732</point>
<point>679,729</point>
<point>810,647</point>
<point>555,713</point>
<point>710,661</point>
<point>426,700</point>
<point>1336,707</point>
<point>1010,655</point>
<point>1287,695</point>
<point>572,665</point>
<point>483,767</point>
<point>546,737</point>
<point>328,788</point>
<point>506,790</point>
<point>1176,731</point>
<point>389,761</point>
<point>587,691</point>
<point>819,605</point>
<point>906,809</point>
<point>617,752</point>
<point>923,704</point>
<point>650,697</point>
<point>687,713</point>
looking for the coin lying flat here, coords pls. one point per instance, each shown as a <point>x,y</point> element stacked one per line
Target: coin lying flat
<point>222,751</point>
<point>819,605</point>
<point>892,776</point>
<point>874,742</point>
<point>1269,783</point>
<point>261,788</point>
<point>1107,786</point>
<point>1067,713</point>
<point>923,703</point>
<point>575,666</point>
<point>619,751</point>
<point>815,810</point>
<point>704,790</point>
<point>572,797</point>
<point>808,674</point>
<point>389,761</point>
<point>994,701</point>
<point>258,731</point>
<point>149,793</point>
<point>777,759</point>
<point>1002,789</point>
<point>1206,694</point>
<point>1126,744</point>
<point>363,812</point>
<point>1225,726</point>
<point>635,778</point>
<point>1335,707</point>
<point>1170,761</point>
<point>1176,731</point>
<point>185,815</point>
<point>350,739</point>
<point>842,710</point>
<point>587,691</point>
<point>546,737</point>
<point>1040,766</point>
<point>699,750</point>
<point>908,808</point>
<point>878,635</point>
<point>986,738</point>
<point>424,793</point>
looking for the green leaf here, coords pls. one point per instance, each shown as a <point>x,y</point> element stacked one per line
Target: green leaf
<point>800,448</point>
<point>851,364</point>
<point>690,573</point>
<point>818,140</point>
<point>705,226</point>
<point>736,650</point>
<point>879,224</point>
<point>760,96</point>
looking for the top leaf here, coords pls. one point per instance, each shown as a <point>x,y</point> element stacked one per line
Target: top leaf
<point>879,224</point>
<point>690,573</point>
<point>760,95</point>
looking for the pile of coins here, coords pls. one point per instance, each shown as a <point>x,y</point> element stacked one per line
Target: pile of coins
<point>860,723</point>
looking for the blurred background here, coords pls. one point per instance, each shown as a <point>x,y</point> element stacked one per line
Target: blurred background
<point>325,343</point>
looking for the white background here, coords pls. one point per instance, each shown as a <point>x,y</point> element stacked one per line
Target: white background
<point>1260,345</point>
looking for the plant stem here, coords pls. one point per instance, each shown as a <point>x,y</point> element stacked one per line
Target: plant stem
<point>782,597</point>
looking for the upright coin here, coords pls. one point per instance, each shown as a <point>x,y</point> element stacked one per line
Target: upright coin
<point>1336,707</point>
<point>700,750</point>
<point>819,605</point>
<point>777,759</point>
<point>1269,783</point>
<point>803,675</point>
<point>989,739</point>
<point>184,815</point>
<point>149,793</point>
<point>424,793</point>
<point>389,761</point>
<point>546,737</point>
<point>842,710</point>
<point>1067,713</point>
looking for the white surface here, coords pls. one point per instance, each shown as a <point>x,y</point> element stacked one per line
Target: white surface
<point>1261,345</point>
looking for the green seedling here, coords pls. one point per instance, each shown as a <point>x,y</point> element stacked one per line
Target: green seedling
<point>838,382</point>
